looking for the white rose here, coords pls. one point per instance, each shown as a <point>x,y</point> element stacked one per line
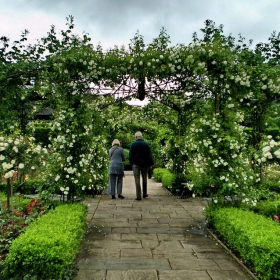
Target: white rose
<point>21,166</point>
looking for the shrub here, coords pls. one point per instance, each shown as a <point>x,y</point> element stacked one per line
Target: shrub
<point>13,223</point>
<point>255,237</point>
<point>168,179</point>
<point>49,245</point>
<point>268,208</point>
<point>30,186</point>
<point>165,177</point>
<point>158,173</point>
<point>3,187</point>
<point>40,131</point>
<point>271,178</point>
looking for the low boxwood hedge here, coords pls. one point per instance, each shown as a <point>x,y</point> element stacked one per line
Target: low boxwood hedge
<point>164,176</point>
<point>158,173</point>
<point>49,245</point>
<point>168,179</point>
<point>254,236</point>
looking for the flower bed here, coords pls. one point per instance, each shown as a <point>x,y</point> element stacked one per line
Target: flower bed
<point>14,222</point>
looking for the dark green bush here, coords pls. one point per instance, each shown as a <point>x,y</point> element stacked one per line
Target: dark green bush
<point>29,187</point>
<point>254,236</point>
<point>268,208</point>
<point>49,245</point>
<point>41,133</point>
<point>3,187</point>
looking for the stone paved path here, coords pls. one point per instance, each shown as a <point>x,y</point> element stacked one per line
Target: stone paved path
<point>158,238</point>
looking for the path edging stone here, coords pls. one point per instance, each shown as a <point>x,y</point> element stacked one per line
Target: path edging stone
<point>244,267</point>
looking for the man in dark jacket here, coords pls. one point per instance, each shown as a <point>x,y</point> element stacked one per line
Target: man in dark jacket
<point>140,157</point>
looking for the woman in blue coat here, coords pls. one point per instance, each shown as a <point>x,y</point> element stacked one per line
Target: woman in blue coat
<point>116,169</point>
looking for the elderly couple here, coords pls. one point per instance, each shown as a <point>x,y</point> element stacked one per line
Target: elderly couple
<point>140,158</point>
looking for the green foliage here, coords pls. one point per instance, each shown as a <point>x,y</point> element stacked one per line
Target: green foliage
<point>78,161</point>
<point>165,177</point>
<point>255,237</point>
<point>168,179</point>
<point>3,187</point>
<point>13,223</point>
<point>29,186</point>
<point>271,178</point>
<point>49,244</point>
<point>202,138</point>
<point>40,131</point>
<point>268,208</point>
<point>127,165</point>
<point>158,173</point>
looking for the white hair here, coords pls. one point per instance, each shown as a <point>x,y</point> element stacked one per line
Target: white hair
<point>116,142</point>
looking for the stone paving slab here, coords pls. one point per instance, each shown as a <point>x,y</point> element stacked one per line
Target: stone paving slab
<point>193,264</point>
<point>132,275</point>
<point>227,275</point>
<point>183,275</point>
<point>125,264</point>
<point>161,237</point>
<point>137,236</point>
<point>120,244</point>
<point>140,253</point>
<point>90,274</point>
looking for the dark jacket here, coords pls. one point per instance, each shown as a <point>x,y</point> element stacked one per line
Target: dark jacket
<point>140,154</point>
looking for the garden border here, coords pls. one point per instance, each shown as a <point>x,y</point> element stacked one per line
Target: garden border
<point>244,267</point>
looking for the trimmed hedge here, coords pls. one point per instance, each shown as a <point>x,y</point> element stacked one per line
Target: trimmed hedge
<point>255,237</point>
<point>168,179</point>
<point>158,173</point>
<point>49,245</point>
<point>164,176</point>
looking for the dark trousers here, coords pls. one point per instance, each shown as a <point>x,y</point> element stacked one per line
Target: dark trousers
<point>143,171</point>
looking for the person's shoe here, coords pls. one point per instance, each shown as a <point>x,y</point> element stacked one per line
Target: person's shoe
<point>113,197</point>
<point>146,195</point>
<point>138,198</point>
<point>120,196</point>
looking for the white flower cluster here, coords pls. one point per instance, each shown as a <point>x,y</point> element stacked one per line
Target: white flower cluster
<point>269,150</point>
<point>64,190</point>
<point>16,152</point>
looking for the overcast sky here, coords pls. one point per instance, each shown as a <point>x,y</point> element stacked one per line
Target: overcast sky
<point>115,22</point>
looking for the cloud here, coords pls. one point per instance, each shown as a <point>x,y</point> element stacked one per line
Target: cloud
<point>115,22</point>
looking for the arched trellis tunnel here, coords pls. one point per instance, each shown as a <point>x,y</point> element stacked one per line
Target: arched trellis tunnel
<point>218,89</point>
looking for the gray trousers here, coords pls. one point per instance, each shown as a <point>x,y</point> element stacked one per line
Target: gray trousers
<point>114,180</point>
<point>137,170</point>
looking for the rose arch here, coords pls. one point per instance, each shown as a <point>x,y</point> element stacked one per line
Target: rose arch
<point>218,91</point>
